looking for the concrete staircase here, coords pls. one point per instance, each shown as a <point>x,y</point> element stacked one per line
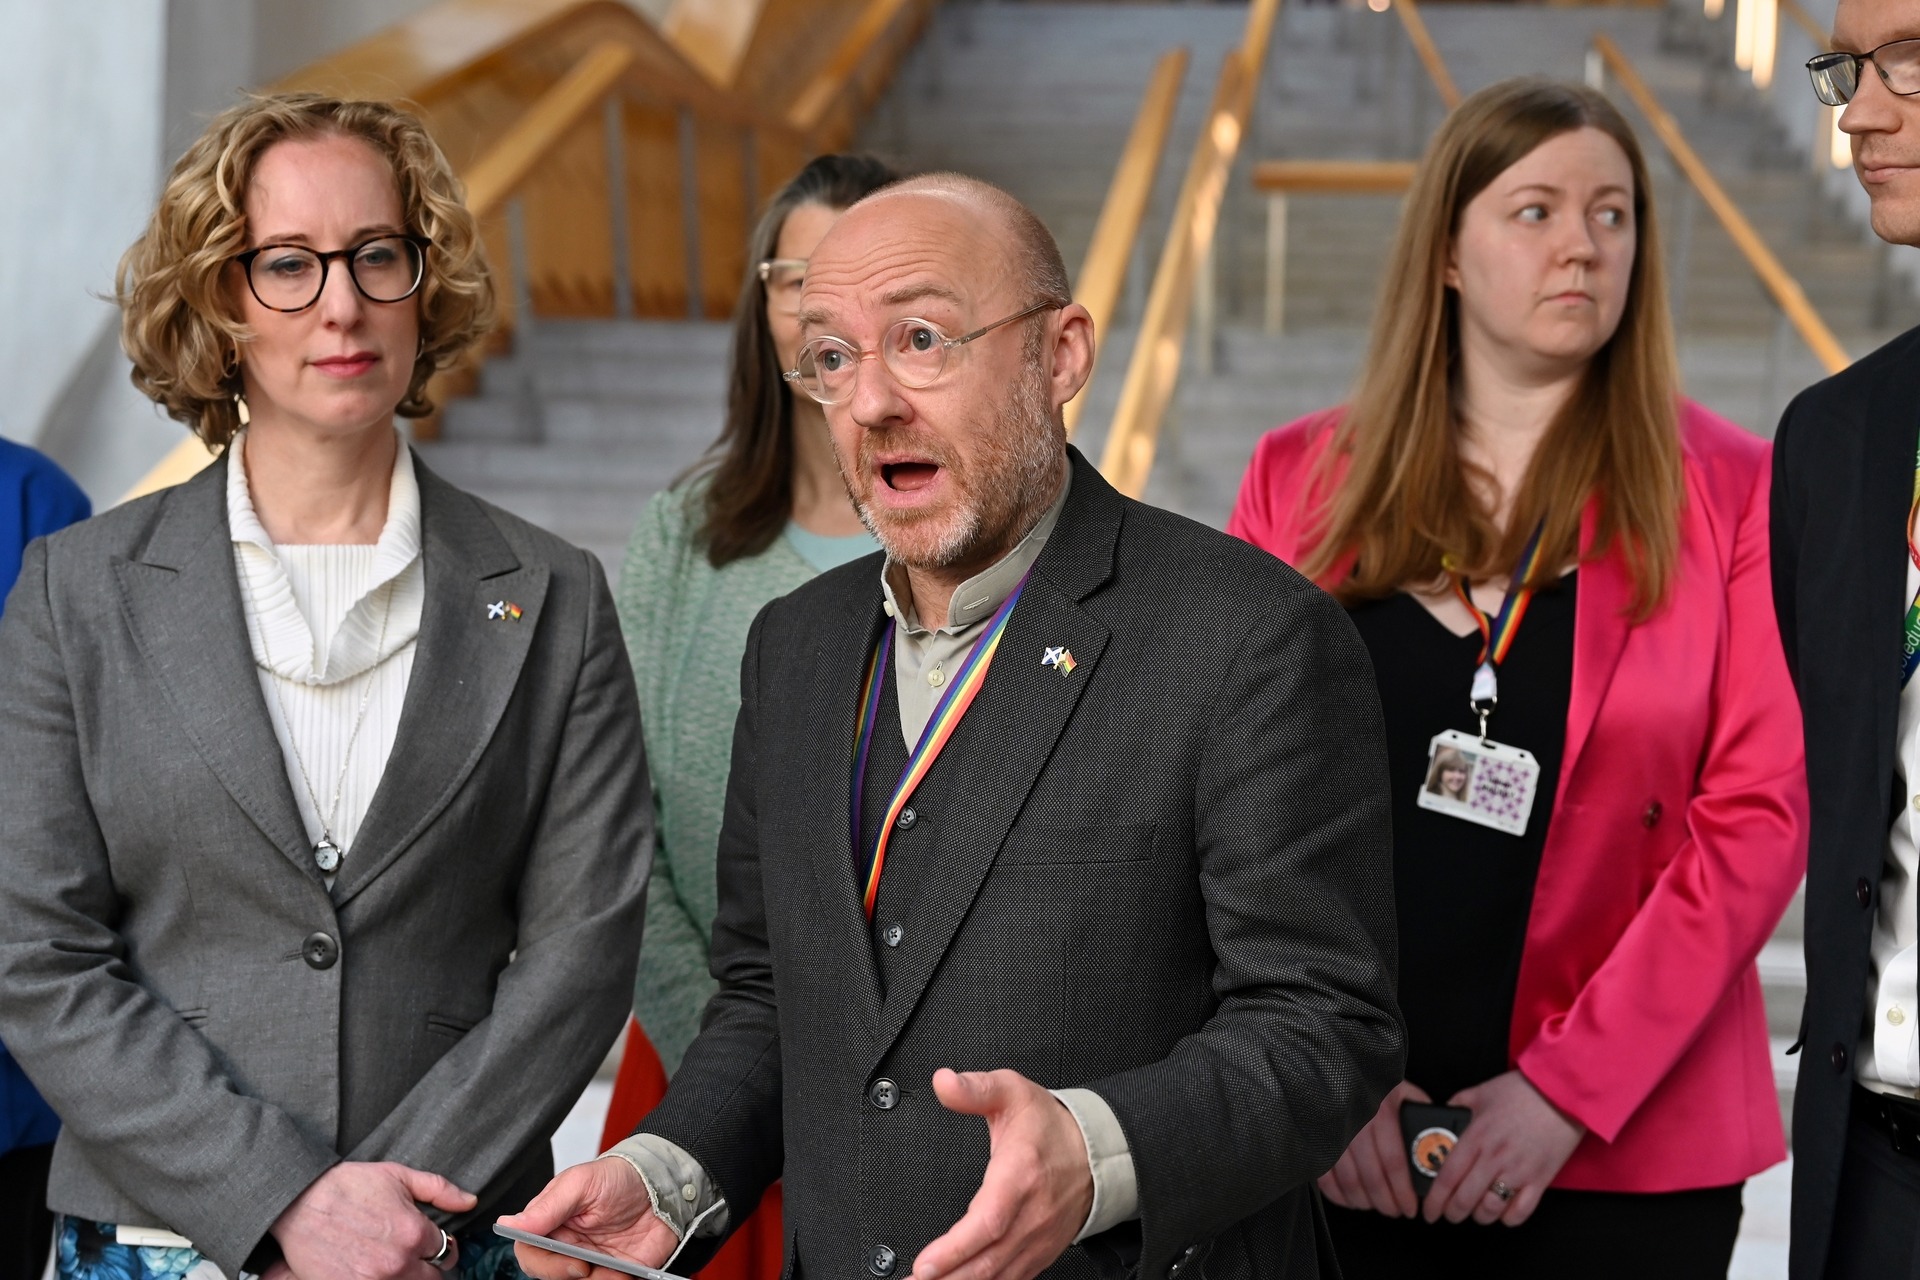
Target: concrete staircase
<point>586,419</point>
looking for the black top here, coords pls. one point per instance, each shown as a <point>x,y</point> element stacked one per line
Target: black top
<point>1463,890</point>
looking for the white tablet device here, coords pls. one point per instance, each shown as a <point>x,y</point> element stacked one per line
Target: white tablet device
<point>585,1255</point>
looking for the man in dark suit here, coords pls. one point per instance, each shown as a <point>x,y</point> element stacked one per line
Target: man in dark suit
<point>1845,566</point>
<point>1127,898</point>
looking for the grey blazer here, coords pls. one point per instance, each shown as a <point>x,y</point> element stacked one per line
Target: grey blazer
<point>213,1026</point>
<point>1165,877</point>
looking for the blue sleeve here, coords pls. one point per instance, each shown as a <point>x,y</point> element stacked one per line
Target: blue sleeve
<point>36,498</point>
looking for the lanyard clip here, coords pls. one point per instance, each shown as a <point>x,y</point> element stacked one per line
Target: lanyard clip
<point>1485,695</point>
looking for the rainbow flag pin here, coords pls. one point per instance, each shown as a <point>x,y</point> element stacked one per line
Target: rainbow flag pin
<point>1060,658</point>
<point>503,609</point>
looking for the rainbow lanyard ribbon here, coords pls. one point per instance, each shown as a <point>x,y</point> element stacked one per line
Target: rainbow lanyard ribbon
<point>1496,634</point>
<point>1910,658</point>
<point>961,691</point>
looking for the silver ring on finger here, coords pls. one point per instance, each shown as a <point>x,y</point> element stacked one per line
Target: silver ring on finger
<point>446,1247</point>
<point>1501,1189</point>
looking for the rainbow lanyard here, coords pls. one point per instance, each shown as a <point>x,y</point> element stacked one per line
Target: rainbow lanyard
<point>1496,634</point>
<point>1910,655</point>
<point>961,691</point>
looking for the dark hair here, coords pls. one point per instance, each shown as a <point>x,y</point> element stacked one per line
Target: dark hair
<point>749,469</point>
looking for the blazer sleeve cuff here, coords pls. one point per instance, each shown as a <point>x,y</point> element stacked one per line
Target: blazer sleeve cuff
<point>1116,1188</point>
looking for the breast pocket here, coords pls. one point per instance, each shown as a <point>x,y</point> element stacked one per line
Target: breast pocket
<point>1041,846</point>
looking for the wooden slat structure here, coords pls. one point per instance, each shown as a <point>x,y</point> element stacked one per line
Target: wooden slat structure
<point>1154,369</point>
<point>1774,278</point>
<point>1104,270</point>
<point>634,165</point>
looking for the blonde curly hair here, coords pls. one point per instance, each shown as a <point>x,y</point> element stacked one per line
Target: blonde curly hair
<point>178,324</point>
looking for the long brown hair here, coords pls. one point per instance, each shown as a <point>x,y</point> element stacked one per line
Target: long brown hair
<point>749,469</point>
<point>1406,501</point>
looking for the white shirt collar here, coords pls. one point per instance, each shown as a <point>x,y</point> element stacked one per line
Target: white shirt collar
<point>376,626</point>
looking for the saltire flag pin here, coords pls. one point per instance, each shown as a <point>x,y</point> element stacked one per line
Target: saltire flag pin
<point>500,609</point>
<point>1060,658</point>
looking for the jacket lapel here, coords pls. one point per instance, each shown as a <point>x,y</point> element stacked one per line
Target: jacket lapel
<point>1013,727</point>
<point>1887,481</point>
<point>827,777</point>
<point>1602,618</point>
<point>465,670</point>
<point>182,602</point>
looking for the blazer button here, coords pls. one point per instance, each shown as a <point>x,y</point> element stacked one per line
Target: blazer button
<point>892,934</point>
<point>1863,893</point>
<point>1652,815</point>
<point>319,951</point>
<point>884,1094</point>
<point>906,819</point>
<point>1839,1057</point>
<point>881,1261</point>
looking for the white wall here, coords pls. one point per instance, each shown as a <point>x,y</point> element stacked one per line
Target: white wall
<point>79,157</point>
<point>97,98</point>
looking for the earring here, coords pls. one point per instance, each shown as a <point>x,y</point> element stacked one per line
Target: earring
<point>240,406</point>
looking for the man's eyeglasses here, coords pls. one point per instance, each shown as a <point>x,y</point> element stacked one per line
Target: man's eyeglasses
<point>291,277</point>
<point>915,352</point>
<point>1836,76</point>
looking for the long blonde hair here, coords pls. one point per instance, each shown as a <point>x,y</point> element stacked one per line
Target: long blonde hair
<point>1406,501</point>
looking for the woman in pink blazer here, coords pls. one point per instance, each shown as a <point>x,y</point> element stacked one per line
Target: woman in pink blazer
<point>1579,918</point>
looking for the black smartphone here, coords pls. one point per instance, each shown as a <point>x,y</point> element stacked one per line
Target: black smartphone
<point>1429,1134</point>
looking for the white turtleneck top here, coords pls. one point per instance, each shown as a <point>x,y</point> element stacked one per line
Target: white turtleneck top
<point>332,628</point>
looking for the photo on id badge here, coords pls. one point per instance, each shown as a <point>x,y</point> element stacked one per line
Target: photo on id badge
<point>1480,781</point>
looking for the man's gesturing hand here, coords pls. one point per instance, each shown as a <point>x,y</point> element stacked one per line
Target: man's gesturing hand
<point>363,1222</point>
<point>1038,1186</point>
<point>601,1205</point>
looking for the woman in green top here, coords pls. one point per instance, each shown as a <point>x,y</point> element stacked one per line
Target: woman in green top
<point>763,513</point>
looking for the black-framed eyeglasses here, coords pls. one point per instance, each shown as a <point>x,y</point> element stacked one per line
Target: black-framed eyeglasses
<point>291,277</point>
<point>914,350</point>
<point>1836,76</point>
<point>782,277</point>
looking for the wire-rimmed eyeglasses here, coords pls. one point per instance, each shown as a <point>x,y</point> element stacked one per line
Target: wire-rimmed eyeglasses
<point>1836,76</point>
<point>782,277</point>
<point>291,277</point>
<point>914,350</point>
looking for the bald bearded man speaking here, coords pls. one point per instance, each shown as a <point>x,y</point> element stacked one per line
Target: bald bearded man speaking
<point>1055,929</point>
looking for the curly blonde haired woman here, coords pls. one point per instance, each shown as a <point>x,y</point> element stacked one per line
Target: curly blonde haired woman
<point>325,806</point>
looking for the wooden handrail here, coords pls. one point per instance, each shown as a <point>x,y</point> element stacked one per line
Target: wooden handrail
<point>1104,270</point>
<point>520,152</point>
<point>1422,39</point>
<point>810,107</point>
<point>713,34</point>
<point>1154,368</point>
<point>1804,20</point>
<point>1783,288</point>
<point>1334,177</point>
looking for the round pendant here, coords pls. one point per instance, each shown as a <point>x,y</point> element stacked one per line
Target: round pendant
<point>326,855</point>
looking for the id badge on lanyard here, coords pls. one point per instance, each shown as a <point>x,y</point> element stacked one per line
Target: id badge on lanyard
<point>1474,778</point>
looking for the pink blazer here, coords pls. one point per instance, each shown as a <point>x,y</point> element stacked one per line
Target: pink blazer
<point>1679,830</point>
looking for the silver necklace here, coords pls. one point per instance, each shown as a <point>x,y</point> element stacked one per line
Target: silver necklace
<point>326,850</point>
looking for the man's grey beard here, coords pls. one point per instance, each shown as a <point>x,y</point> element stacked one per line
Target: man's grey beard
<point>1027,421</point>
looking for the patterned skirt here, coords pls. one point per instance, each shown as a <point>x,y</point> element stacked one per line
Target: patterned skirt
<point>89,1251</point>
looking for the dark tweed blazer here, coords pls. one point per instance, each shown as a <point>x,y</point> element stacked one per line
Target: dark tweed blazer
<point>1842,482</point>
<point>213,1025</point>
<point>1165,877</point>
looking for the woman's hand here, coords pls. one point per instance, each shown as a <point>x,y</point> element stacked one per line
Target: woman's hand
<point>363,1222</point>
<point>1372,1172</point>
<point>1517,1138</point>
